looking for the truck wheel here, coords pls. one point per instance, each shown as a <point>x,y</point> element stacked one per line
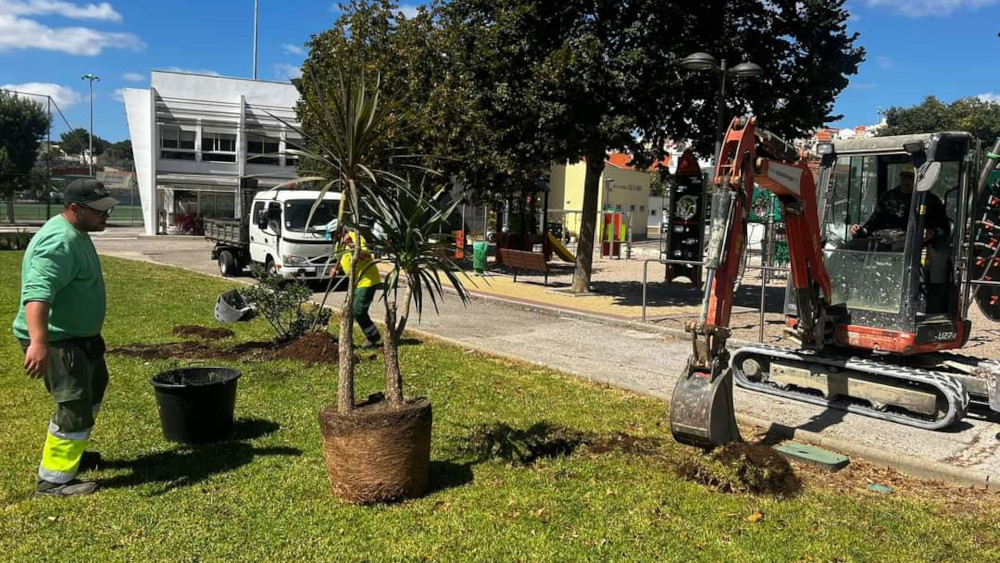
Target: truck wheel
<point>269,266</point>
<point>227,264</point>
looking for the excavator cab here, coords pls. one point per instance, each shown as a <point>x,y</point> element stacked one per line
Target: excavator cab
<point>893,221</point>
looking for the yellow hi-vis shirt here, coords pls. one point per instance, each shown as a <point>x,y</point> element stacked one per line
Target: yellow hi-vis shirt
<point>369,273</point>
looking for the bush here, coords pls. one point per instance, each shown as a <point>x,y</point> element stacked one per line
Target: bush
<point>15,240</point>
<point>283,303</point>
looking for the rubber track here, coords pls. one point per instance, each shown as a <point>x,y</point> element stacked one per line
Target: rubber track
<point>953,392</point>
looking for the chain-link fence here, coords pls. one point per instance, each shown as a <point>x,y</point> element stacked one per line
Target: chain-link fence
<point>30,197</point>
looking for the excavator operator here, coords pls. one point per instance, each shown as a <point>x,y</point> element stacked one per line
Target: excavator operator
<point>885,231</point>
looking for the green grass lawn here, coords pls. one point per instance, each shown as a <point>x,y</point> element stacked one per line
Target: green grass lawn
<point>266,496</point>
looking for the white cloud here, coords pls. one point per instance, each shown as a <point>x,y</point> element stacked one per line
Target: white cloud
<point>409,10</point>
<point>102,11</point>
<point>191,71</point>
<point>63,96</point>
<point>118,95</point>
<point>884,62</point>
<point>990,97</point>
<point>287,72</point>
<point>922,8</point>
<point>292,49</point>
<point>20,33</point>
<point>133,77</point>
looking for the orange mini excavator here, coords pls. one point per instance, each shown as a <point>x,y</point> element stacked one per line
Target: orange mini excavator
<point>872,322</point>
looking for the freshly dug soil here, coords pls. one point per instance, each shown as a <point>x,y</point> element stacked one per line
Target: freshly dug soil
<point>377,453</point>
<point>314,348</point>
<point>203,332</point>
<point>744,467</point>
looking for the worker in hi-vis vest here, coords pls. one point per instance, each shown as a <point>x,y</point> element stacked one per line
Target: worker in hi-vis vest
<point>59,326</point>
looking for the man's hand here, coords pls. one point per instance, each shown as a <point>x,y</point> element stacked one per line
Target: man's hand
<point>36,359</point>
<point>855,229</point>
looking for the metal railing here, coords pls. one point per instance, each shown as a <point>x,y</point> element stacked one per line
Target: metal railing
<point>763,284</point>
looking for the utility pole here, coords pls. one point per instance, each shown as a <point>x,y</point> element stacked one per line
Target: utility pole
<point>256,24</point>
<point>90,157</point>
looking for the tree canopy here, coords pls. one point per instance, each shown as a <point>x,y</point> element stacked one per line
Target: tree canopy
<point>977,116</point>
<point>24,124</point>
<point>571,80</point>
<point>77,141</point>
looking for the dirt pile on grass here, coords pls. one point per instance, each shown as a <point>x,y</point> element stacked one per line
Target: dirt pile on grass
<point>314,348</point>
<point>740,467</point>
<point>203,332</point>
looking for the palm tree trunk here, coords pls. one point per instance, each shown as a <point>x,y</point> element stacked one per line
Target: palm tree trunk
<point>407,297</point>
<point>393,377</point>
<point>345,342</point>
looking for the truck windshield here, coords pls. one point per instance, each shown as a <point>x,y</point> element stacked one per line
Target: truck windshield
<point>297,211</point>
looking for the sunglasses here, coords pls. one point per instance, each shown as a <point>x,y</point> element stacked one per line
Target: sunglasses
<point>104,213</point>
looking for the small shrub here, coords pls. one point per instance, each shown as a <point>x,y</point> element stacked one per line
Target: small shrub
<point>18,240</point>
<point>283,303</point>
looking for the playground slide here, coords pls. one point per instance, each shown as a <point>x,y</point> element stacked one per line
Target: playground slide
<point>560,250</point>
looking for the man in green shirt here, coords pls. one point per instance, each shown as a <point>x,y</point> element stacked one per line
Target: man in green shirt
<point>59,326</point>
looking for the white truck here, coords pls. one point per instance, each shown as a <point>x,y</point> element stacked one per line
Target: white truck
<point>272,232</point>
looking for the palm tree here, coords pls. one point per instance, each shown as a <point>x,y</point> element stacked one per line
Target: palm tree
<point>407,239</point>
<point>350,151</point>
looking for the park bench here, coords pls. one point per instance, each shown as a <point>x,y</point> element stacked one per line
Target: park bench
<point>521,260</point>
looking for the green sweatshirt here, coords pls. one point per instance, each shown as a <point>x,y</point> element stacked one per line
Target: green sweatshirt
<point>61,268</point>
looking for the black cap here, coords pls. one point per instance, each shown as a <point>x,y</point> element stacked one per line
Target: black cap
<point>89,193</point>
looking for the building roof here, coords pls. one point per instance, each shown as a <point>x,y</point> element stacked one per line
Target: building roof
<point>623,161</point>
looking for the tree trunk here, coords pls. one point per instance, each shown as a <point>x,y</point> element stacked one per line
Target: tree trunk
<point>345,339</point>
<point>393,377</point>
<point>345,342</point>
<point>588,223</point>
<point>405,315</point>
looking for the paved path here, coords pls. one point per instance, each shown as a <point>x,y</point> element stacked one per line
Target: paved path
<point>645,362</point>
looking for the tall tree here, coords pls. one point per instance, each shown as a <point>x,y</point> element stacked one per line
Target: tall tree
<point>77,141</point>
<point>118,155</point>
<point>575,79</point>
<point>24,124</point>
<point>977,116</point>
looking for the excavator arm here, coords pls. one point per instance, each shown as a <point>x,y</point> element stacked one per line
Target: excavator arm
<point>701,408</point>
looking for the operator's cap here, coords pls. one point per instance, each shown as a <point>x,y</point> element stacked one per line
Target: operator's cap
<point>89,193</point>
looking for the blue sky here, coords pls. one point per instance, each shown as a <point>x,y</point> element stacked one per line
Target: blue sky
<point>916,48</point>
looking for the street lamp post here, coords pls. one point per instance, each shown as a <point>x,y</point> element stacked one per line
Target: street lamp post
<point>702,62</point>
<point>90,156</point>
<point>256,21</point>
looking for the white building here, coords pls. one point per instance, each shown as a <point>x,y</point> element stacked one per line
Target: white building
<point>194,136</point>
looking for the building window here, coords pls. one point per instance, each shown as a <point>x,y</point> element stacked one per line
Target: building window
<point>262,149</point>
<point>652,213</point>
<point>218,147</point>
<point>177,143</point>
<point>293,143</point>
<point>631,208</point>
<point>642,208</point>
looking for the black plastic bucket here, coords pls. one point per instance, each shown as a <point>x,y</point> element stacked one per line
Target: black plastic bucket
<point>196,403</point>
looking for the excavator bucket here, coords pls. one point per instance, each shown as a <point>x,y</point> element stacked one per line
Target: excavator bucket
<point>701,408</point>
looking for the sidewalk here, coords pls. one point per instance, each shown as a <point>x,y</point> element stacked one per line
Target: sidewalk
<point>648,362</point>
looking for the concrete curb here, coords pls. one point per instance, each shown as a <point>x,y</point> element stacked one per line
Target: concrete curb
<point>918,467</point>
